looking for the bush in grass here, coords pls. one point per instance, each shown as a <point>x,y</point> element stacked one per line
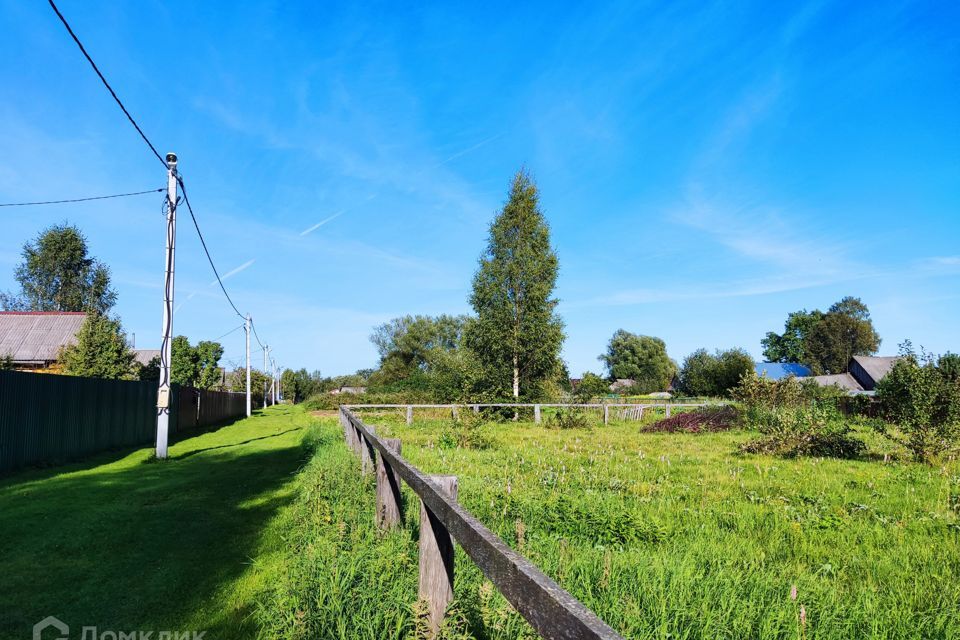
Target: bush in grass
<point>569,418</point>
<point>923,400</point>
<point>807,430</point>
<point>701,420</point>
<point>466,431</point>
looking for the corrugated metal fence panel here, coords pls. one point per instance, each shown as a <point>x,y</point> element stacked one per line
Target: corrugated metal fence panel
<point>48,419</point>
<point>218,406</point>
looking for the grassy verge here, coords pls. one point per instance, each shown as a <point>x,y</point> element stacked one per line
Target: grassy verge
<point>124,542</point>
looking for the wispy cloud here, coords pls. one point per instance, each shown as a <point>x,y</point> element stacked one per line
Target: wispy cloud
<point>313,228</point>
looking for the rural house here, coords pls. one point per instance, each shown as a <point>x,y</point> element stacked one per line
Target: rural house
<point>33,339</point>
<point>863,374</point>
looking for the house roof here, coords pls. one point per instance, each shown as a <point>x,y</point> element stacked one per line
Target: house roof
<point>779,370</point>
<point>877,367</point>
<point>36,337</point>
<point>144,356</point>
<point>842,380</point>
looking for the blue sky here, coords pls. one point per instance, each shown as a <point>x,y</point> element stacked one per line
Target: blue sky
<point>705,168</point>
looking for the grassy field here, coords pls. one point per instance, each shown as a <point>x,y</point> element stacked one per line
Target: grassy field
<point>123,542</point>
<point>663,535</point>
<point>265,529</point>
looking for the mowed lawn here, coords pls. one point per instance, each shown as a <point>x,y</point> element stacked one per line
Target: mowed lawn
<point>124,542</point>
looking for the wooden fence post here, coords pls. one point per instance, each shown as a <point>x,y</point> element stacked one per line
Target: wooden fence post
<point>666,408</point>
<point>436,558</point>
<point>389,514</point>
<point>409,415</point>
<point>536,413</point>
<point>367,454</point>
<point>476,408</point>
<point>455,412</point>
<point>606,414</point>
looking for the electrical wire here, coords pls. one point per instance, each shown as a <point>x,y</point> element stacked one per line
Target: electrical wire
<point>203,243</point>
<point>107,84</point>
<point>116,195</point>
<point>254,327</point>
<point>235,329</point>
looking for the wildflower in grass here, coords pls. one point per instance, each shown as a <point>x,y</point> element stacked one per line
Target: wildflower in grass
<point>793,592</point>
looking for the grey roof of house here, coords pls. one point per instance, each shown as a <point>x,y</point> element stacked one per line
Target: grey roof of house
<point>144,356</point>
<point>36,337</point>
<point>842,380</point>
<point>877,367</point>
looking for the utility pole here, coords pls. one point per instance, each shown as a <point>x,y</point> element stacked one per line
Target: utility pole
<point>246,326</point>
<point>163,392</point>
<point>266,354</point>
<point>273,384</point>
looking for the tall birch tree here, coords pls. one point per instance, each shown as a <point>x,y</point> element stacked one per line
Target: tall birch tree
<point>517,334</point>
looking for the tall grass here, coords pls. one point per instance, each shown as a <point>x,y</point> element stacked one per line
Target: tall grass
<point>662,535</point>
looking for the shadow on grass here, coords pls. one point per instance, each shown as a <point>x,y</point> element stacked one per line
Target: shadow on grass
<point>235,444</point>
<point>128,546</point>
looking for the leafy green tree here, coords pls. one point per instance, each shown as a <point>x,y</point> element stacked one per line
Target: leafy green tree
<point>58,274</point>
<point>713,375</point>
<point>924,403</point>
<point>642,359</point>
<point>846,330</point>
<point>237,380</point>
<point>949,366</point>
<point>407,344</point>
<point>195,366</point>
<point>299,385</point>
<point>209,375</point>
<point>789,346</point>
<point>517,334</point>
<point>184,362</point>
<point>101,350</point>
<point>591,386</point>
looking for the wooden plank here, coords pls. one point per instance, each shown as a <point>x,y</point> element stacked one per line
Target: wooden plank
<point>367,454</point>
<point>389,505</point>
<point>549,609</point>
<point>436,558</point>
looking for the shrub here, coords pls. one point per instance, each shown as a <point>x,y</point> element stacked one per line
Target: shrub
<point>466,431</point>
<point>569,418</point>
<point>924,402</point>
<point>807,430</point>
<point>701,420</point>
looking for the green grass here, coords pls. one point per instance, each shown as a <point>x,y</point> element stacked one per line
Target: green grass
<point>265,528</point>
<point>663,535</point>
<point>125,542</point>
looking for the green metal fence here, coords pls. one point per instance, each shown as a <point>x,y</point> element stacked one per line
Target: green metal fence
<point>49,419</point>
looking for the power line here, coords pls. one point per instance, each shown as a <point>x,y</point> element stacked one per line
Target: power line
<point>254,327</point>
<point>228,333</point>
<point>116,195</point>
<point>203,243</point>
<point>107,84</point>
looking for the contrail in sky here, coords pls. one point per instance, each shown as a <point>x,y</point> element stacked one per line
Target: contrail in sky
<point>321,223</point>
<point>235,271</point>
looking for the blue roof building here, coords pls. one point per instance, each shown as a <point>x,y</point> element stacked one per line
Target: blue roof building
<point>779,370</point>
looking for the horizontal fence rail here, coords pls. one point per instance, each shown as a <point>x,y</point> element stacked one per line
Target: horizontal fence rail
<point>549,609</point>
<point>625,411</point>
<point>49,419</point>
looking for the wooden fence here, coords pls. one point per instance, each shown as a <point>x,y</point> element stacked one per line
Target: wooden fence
<point>49,419</point>
<point>623,411</point>
<point>549,609</point>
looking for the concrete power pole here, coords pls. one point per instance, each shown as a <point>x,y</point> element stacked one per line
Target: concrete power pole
<point>246,326</point>
<point>163,392</point>
<point>266,354</point>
